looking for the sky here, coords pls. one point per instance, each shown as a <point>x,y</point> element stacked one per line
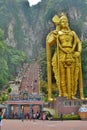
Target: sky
<point>33,2</point>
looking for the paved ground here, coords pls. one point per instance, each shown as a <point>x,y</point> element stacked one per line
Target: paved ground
<point>43,125</point>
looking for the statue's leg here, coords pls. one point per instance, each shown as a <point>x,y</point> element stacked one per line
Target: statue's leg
<point>73,81</point>
<point>68,80</point>
<point>63,79</point>
<point>56,72</point>
<point>75,75</point>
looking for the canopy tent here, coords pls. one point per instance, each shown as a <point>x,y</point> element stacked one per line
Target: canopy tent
<point>52,111</point>
<point>2,106</point>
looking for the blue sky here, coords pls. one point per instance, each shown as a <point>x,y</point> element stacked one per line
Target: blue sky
<point>33,2</point>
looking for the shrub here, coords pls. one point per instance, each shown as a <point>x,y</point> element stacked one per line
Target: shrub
<point>67,117</point>
<point>71,117</point>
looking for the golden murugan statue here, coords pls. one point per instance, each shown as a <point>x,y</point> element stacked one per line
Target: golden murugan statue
<point>66,60</point>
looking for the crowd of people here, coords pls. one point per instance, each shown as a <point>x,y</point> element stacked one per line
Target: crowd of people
<point>43,115</point>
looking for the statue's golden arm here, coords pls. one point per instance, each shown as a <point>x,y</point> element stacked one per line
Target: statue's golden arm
<point>50,41</point>
<point>78,45</point>
<point>78,54</point>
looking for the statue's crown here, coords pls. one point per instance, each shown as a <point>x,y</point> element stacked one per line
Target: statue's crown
<point>63,16</point>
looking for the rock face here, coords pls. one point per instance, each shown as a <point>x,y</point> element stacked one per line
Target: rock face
<point>84,31</point>
<point>10,40</point>
<point>26,27</point>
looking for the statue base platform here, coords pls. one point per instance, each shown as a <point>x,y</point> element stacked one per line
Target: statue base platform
<point>68,106</point>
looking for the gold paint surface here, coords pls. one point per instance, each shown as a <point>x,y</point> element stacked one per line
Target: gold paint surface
<point>66,60</point>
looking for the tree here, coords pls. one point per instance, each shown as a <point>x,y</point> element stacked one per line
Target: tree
<point>3,62</point>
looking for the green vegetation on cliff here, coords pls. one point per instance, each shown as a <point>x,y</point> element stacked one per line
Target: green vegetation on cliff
<point>10,60</point>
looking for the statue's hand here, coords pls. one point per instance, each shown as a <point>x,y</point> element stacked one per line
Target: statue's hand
<point>76,54</point>
<point>70,51</point>
<point>55,32</point>
<point>51,38</point>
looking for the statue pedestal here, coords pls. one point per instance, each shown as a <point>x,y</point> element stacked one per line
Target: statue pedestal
<point>66,106</point>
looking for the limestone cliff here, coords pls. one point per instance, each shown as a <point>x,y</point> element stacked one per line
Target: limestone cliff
<point>26,27</point>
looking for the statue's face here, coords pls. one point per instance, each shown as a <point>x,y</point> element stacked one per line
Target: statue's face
<point>64,23</point>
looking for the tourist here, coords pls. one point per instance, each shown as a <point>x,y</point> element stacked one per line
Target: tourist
<point>61,116</point>
<point>44,116</point>
<point>1,117</point>
<point>22,116</point>
<point>27,116</point>
<point>34,116</point>
<point>37,115</point>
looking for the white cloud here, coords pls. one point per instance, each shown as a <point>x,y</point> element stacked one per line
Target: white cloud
<point>33,2</point>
